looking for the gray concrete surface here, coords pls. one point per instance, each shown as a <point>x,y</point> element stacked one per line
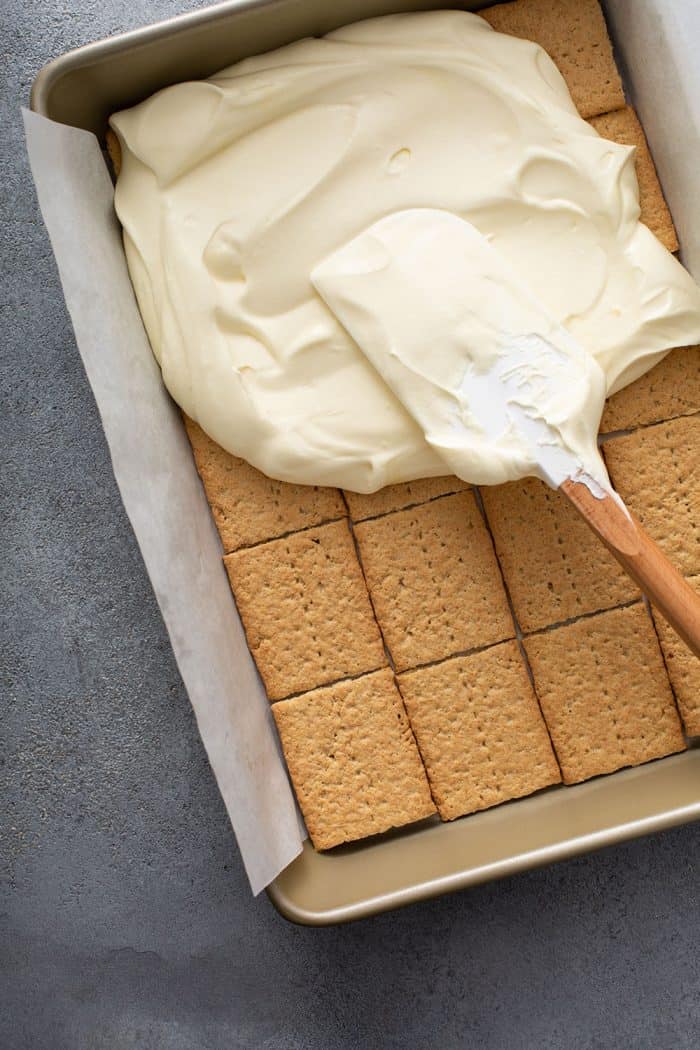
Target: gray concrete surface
<point>125,916</point>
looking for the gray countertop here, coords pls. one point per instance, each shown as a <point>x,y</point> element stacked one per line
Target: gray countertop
<point>126,917</point>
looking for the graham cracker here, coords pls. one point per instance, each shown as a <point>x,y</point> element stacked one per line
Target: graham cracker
<point>574,35</point>
<point>554,567</point>
<point>479,730</point>
<point>656,470</point>
<point>670,389</point>
<point>398,497</point>
<point>249,507</point>
<point>353,760</point>
<point>623,127</point>
<point>305,609</point>
<point>604,693</point>
<point>683,669</point>
<point>434,580</point>
<point>114,151</point>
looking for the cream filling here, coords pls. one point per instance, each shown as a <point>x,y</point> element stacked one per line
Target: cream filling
<point>233,190</point>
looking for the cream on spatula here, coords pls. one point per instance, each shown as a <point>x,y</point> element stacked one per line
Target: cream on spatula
<point>492,380</point>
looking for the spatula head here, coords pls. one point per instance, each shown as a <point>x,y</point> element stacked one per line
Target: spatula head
<point>500,389</point>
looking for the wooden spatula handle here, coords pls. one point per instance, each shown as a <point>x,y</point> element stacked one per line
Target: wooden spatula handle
<point>641,558</point>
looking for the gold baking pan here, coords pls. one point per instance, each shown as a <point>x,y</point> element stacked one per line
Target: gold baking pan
<point>82,88</point>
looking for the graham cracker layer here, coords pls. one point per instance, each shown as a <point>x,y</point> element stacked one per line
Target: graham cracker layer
<point>114,151</point>
<point>604,693</point>
<point>303,600</point>
<point>305,609</point>
<point>574,35</point>
<point>434,580</point>
<point>353,760</point>
<point>657,472</point>
<point>554,567</point>
<point>249,507</point>
<point>397,497</point>
<point>683,670</point>
<point>669,390</point>
<point>479,730</point>
<point>623,127</point>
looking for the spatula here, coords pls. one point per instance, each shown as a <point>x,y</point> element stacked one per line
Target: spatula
<point>499,388</point>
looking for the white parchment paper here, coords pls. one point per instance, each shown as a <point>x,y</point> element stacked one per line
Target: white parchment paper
<point>657,46</point>
<point>163,497</point>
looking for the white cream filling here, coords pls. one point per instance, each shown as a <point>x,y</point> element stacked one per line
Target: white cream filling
<point>233,190</point>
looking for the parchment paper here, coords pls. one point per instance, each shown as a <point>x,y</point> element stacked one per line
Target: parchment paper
<point>163,497</point>
<point>656,44</point>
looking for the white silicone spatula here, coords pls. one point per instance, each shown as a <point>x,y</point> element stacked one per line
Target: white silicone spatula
<point>498,387</point>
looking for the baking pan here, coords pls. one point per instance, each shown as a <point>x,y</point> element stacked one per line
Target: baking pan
<point>82,88</point>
